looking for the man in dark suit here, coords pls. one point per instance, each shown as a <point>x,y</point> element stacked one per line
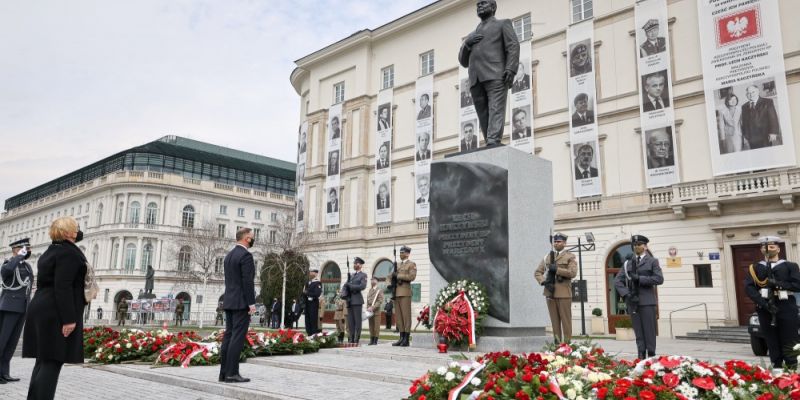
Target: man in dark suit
<point>17,279</point>
<point>470,141</point>
<point>239,302</point>
<point>335,130</point>
<point>383,156</point>
<point>382,200</point>
<point>302,142</point>
<point>300,212</point>
<point>659,148</point>
<point>636,283</point>
<point>311,292</point>
<point>654,97</point>
<point>491,53</point>
<point>760,125</point>
<point>423,150</point>
<point>333,201</point>
<point>584,154</point>
<point>522,81</point>
<point>333,163</point>
<point>424,107</point>
<point>275,321</point>
<point>355,284</point>
<point>466,100</point>
<point>580,59</point>
<point>654,44</point>
<point>520,124</point>
<point>423,188</point>
<point>582,115</point>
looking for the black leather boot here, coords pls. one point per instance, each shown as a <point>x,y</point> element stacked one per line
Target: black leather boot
<point>400,341</point>
<point>406,340</point>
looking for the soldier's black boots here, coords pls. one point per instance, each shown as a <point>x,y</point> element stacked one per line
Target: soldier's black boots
<point>373,340</point>
<point>341,337</point>
<point>406,338</point>
<point>400,341</point>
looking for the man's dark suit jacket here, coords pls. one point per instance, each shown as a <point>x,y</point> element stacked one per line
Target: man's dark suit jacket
<point>472,145</point>
<point>336,134</point>
<point>576,119</point>
<point>333,207</point>
<point>378,202</point>
<point>648,49</point>
<point>650,276</point>
<point>517,135</point>
<point>424,155</point>
<point>333,169</point>
<point>424,113</point>
<point>240,270</point>
<point>15,300</point>
<point>379,165</point>
<point>579,173</point>
<point>422,200</point>
<point>523,84</point>
<point>497,52</point>
<point>647,105</point>
<point>759,122</point>
<point>357,283</point>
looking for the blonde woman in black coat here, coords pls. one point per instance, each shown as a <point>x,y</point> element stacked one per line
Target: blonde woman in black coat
<point>54,327</point>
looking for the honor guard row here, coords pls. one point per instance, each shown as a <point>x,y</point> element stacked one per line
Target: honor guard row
<point>17,280</point>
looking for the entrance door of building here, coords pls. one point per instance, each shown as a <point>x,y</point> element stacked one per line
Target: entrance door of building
<point>743,256</point>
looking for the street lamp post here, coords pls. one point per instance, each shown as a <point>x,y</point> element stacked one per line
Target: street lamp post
<point>581,247</point>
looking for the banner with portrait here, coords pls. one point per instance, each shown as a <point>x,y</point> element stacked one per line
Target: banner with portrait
<point>333,165</point>
<point>300,184</point>
<point>582,95</point>
<point>744,75</point>
<point>657,112</point>
<point>423,145</point>
<point>383,157</point>
<point>469,131</point>
<point>522,102</point>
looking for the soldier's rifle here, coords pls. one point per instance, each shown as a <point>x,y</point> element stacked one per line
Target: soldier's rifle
<point>393,285</point>
<point>345,292</point>
<point>550,280</point>
<point>633,284</point>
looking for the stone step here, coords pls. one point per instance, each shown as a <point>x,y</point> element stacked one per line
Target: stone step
<point>385,351</point>
<point>719,334</point>
<point>715,339</point>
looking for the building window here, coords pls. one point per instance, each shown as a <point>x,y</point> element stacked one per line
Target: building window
<point>522,26</point>
<point>256,233</point>
<point>221,231</point>
<point>273,236</point>
<point>187,220</point>
<point>387,77</point>
<point>219,265</point>
<point>702,275</point>
<point>95,253</point>
<point>581,10</point>
<point>147,257</point>
<point>273,217</point>
<point>130,258</point>
<point>426,63</point>
<point>98,214</point>
<point>240,212</point>
<point>338,93</point>
<point>80,209</point>
<point>118,212</point>
<point>133,212</point>
<point>223,210</point>
<point>151,218</point>
<point>184,259</point>
<point>257,214</point>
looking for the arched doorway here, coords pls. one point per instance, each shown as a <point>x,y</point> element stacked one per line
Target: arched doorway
<point>121,295</point>
<point>382,271</point>
<point>617,309</point>
<point>187,304</point>
<point>331,283</point>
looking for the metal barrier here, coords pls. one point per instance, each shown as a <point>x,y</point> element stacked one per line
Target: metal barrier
<point>705,307</point>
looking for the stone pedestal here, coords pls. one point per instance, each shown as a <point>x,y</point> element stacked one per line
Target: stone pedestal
<point>503,200</point>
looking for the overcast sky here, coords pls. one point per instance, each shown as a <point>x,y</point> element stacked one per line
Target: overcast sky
<point>83,79</point>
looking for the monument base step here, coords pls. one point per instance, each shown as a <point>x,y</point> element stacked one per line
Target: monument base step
<point>486,344</point>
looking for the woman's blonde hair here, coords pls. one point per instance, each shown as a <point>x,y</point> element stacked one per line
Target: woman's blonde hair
<point>62,227</point>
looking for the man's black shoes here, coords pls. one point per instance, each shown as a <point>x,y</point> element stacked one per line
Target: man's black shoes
<point>236,379</point>
<point>8,378</point>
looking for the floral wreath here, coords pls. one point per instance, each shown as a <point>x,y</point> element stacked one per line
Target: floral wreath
<point>461,308</point>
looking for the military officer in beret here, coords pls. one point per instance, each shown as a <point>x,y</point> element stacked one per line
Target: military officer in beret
<point>17,279</point>
<point>770,284</point>
<point>555,272</point>
<point>636,283</point>
<point>311,292</point>
<point>355,302</point>
<point>406,273</point>
<point>654,43</point>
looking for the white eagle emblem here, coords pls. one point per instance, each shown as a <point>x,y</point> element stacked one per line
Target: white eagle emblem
<point>737,26</point>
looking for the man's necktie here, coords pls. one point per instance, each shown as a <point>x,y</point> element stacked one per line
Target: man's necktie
<point>585,174</point>
<point>752,104</point>
<point>638,259</point>
<point>658,104</point>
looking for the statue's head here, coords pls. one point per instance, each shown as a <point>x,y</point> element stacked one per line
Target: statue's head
<point>486,8</point>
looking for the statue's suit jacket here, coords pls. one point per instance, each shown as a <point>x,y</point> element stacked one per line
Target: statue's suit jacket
<point>498,51</point>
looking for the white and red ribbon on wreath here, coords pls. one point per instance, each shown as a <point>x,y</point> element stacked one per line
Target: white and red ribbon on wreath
<point>456,391</point>
<point>471,339</point>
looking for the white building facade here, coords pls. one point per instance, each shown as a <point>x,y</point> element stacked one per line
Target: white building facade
<point>703,228</point>
<point>141,213</point>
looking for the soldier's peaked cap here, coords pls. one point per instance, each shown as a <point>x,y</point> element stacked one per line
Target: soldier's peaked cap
<point>560,236</point>
<point>358,260</point>
<point>770,240</point>
<point>640,239</point>
<point>405,249</point>
<point>650,24</point>
<point>21,243</point>
<point>313,269</point>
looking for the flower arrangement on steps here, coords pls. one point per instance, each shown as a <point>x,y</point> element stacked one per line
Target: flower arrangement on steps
<point>461,308</point>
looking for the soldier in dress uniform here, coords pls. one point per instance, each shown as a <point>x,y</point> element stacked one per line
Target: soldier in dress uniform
<point>340,318</point>
<point>654,44</point>
<point>311,292</point>
<point>17,279</point>
<point>179,313</point>
<point>636,283</point>
<point>122,312</point>
<point>356,283</point>
<point>555,273</point>
<point>321,312</point>
<point>374,305</point>
<point>770,284</point>
<point>406,273</point>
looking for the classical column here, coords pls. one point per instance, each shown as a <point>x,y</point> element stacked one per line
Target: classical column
<point>139,256</point>
<point>121,251</point>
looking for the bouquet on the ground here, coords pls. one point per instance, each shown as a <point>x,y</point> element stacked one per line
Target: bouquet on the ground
<point>424,317</point>
<point>460,310</point>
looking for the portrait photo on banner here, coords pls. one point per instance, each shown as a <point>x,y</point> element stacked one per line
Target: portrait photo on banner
<point>747,117</point>
<point>580,57</point>
<point>423,146</point>
<point>423,188</point>
<point>383,198</point>
<point>424,106</point>
<point>469,134</point>
<point>660,151</point>
<point>333,162</point>
<point>466,97</point>
<point>582,111</point>
<point>302,141</point>
<point>655,91</point>
<point>654,41</point>
<point>383,159</point>
<point>520,123</point>
<point>585,160</point>
<point>301,172</point>
<point>300,210</point>
<point>333,201</point>
<point>334,130</point>
<point>384,116</point>
<point>522,80</point>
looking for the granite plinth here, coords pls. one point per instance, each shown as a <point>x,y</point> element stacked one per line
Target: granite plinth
<point>486,344</point>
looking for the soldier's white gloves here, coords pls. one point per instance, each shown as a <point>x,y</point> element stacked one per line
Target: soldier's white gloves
<point>23,251</point>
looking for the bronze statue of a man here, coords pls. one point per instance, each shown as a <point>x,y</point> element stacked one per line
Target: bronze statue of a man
<point>491,53</point>
<point>148,280</point>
